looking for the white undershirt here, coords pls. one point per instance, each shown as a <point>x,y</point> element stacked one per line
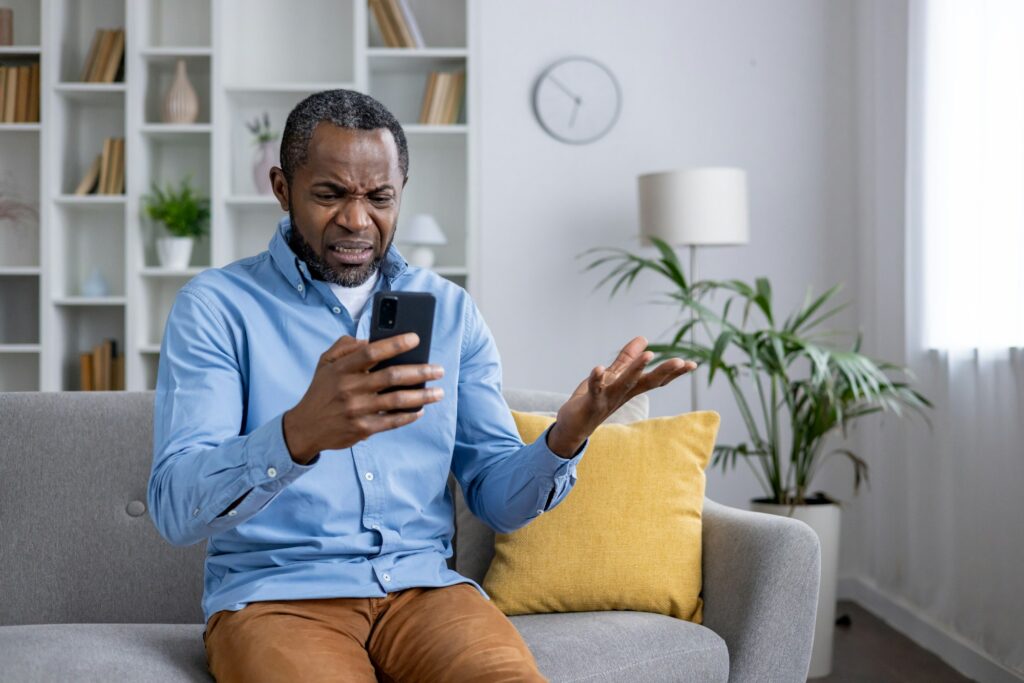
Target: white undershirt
<point>354,298</point>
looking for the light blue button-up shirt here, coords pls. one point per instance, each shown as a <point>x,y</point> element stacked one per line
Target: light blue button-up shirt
<point>239,349</point>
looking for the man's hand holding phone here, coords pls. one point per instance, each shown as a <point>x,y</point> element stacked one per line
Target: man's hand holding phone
<point>343,404</point>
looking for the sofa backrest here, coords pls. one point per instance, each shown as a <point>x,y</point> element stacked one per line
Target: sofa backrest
<point>77,544</point>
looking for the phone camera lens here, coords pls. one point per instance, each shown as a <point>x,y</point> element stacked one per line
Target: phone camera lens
<point>388,312</point>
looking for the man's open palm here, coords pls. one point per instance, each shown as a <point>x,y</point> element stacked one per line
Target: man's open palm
<point>607,389</point>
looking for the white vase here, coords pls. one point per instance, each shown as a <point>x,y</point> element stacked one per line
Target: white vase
<point>824,520</point>
<point>174,252</point>
<point>95,285</point>
<point>265,159</point>
<point>181,105</point>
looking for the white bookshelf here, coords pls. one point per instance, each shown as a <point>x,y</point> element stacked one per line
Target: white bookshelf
<point>241,60</point>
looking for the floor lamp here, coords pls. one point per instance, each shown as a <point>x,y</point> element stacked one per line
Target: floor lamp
<point>694,208</point>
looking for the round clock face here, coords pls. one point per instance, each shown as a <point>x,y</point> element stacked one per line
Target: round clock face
<point>577,100</point>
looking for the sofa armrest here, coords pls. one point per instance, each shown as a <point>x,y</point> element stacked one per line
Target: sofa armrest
<point>761,574</point>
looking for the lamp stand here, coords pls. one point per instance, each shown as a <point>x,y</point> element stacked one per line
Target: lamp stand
<point>693,328</point>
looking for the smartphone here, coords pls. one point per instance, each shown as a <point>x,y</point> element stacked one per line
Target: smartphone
<point>398,313</point>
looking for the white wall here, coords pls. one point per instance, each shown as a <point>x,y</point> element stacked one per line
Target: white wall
<point>765,86</point>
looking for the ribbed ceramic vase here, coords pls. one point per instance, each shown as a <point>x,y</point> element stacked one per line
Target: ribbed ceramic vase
<point>266,158</point>
<point>181,105</point>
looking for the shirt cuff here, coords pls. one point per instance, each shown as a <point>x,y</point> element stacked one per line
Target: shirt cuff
<point>550,464</point>
<point>272,466</point>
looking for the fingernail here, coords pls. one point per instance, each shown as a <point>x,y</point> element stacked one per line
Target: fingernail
<point>437,392</point>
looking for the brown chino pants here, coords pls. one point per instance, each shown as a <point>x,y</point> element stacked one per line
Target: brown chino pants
<point>419,635</point>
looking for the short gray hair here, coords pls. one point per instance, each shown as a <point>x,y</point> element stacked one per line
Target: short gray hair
<point>345,109</point>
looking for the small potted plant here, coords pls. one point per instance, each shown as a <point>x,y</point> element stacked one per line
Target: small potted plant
<point>186,216</point>
<point>795,386</point>
<point>266,156</point>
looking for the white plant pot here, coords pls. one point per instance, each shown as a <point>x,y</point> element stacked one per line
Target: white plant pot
<point>824,520</point>
<point>174,252</point>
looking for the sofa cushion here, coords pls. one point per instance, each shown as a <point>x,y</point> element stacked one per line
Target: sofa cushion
<point>474,540</point>
<point>592,647</point>
<point>103,652</point>
<point>607,647</point>
<point>628,535</point>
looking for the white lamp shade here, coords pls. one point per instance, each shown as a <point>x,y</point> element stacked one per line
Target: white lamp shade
<point>421,229</point>
<point>695,207</point>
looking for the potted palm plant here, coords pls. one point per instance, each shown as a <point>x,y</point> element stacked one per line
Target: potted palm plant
<point>185,214</point>
<point>795,386</point>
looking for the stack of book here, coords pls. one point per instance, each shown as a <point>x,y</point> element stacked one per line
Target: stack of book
<point>19,93</point>
<point>106,174</point>
<point>102,369</point>
<point>397,25</point>
<point>442,99</point>
<point>105,62</point>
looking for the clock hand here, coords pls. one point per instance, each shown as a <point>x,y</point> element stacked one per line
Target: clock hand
<point>564,89</point>
<point>572,119</point>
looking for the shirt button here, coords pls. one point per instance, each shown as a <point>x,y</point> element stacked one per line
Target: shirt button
<point>336,310</point>
<point>540,512</point>
<point>375,526</point>
<point>386,577</point>
<point>195,513</point>
<point>232,513</point>
<point>271,472</point>
<point>369,476</point>
<point>300,287</point>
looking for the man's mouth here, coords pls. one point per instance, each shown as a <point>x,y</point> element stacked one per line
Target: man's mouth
<point>350,253</point>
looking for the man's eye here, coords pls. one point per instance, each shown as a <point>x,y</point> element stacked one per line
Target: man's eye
<point>325,196</point>
<point>382,200</point>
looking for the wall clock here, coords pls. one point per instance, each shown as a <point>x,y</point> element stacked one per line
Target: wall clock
<point>577,100</point>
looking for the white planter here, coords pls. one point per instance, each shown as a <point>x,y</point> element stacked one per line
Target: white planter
<point>824,519</point>
<point>174,252</point>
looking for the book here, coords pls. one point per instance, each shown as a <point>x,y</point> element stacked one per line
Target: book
<point>11,95</point>
<point>112,66</point>
<point>88,182</point>
<point>102,55</point>
<point>117,174</point>
<point>117,380</point>
<point>425,107</point>
<point>105,162</point>
<point>454,98</point>
<point>6,26</point>
<point>437,101</point>
<point>90,58</point>
<point>34,97</point>
<point>3,91</point>
<point>85,371</point>
<point>411,23</point>
<point>405,38</point>
<point>97,368</point>
<point>24,86</point>
<point>387,31</point>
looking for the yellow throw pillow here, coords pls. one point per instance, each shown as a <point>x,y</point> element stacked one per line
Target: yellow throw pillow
<point>628,535</point>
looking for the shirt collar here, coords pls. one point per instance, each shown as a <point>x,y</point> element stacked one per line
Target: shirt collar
<point>295,270</point>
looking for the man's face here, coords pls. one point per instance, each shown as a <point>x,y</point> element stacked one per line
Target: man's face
<point>343,202</point>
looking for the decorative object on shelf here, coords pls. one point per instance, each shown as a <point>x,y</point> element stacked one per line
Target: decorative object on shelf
<point>694,207</point>
<point>19,93</point>
<point>181,105</point>
<point>442,98</point>
<point>422,233</point>
<point>185,214</point>
<point>105,61</point>
<point>805,392</point>
<point>267,153</point>
<point>577,100</point>
<point>95,285</point>
<point>12,209</point>
<point>397,24</point>
<point>6,26</point>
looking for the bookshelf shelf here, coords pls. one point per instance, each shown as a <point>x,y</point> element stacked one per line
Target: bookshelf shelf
<point>19,50</point>
<point>90,199</point>
<point>240,59</point>
<point>90,301</point>
<point>20,348</point>
<point>173,53</point>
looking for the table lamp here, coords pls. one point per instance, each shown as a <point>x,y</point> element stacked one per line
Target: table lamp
<point>694,207</point>
<point>422,232</point>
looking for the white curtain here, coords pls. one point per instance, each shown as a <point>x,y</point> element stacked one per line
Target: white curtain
<point>960,554</point>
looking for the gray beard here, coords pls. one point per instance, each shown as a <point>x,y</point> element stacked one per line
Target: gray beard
<point>318,268</point>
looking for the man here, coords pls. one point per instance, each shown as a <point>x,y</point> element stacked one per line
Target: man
<point>328,519</point>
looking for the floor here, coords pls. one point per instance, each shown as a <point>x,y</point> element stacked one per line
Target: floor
<point>869,650</point>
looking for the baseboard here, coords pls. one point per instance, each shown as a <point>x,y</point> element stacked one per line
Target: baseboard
<point>906,618</point>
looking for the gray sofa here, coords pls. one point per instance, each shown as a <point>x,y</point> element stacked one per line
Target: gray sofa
<point>89,591</point>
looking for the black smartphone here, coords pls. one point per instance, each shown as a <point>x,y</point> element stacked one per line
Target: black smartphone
<point>398,313</point>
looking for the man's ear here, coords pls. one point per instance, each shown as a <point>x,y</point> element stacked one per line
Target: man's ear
<point>280,186</point>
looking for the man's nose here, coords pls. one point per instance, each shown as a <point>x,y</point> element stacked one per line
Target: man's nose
<point>354,216</point>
